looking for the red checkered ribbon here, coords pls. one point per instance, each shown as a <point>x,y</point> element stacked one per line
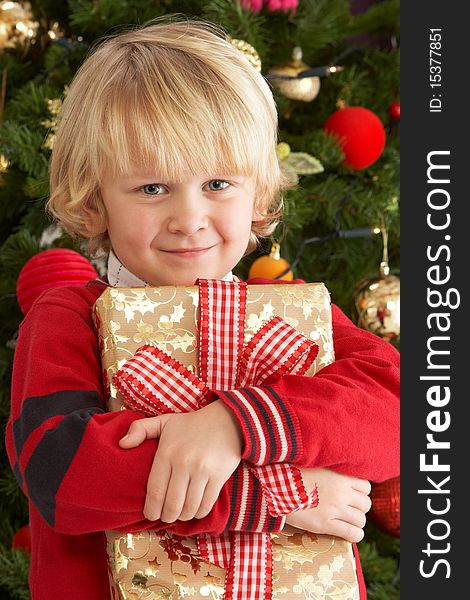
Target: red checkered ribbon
<point>153,382</point>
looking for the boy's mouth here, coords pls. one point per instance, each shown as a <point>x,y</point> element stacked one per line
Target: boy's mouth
<point>188,252</point>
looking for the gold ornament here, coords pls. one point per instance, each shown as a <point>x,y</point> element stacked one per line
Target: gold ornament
<point>16,24</point>
<point>305,89</point>
<point>378,306</point>
<point>249,51</point>
<point>55,32</point>
<point>54,107</point>
<point>377,301</point>
<point>4,164</point>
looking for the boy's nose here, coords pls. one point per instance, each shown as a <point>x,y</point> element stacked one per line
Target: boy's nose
<point>188,215</point>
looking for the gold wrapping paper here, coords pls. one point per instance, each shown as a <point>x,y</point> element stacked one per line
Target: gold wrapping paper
<point>155,565</point>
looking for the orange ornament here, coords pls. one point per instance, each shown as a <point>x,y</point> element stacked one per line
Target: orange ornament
<point>271,266</point>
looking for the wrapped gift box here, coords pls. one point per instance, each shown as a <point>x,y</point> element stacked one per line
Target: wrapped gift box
<point>153,565</point>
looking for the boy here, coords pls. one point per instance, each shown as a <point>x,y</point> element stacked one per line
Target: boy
<point>165,156</point>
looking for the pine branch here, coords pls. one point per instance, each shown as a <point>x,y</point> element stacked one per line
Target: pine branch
<point>321,24</point>
<point>381,18</point>
<point>239,23</point>
<point>16,251</point>
<point>24,147</point>
<point>14,569</point>
<point>13,499</point>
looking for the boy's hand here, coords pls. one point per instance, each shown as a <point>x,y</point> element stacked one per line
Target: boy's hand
<point>197,452</point>
<point>343,503</point>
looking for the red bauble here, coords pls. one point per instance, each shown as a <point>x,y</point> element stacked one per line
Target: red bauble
<point>360,134</point>
<point>385,511</point>
<point>22,539</point>
<point>49,269</point>
<point>394,111</point>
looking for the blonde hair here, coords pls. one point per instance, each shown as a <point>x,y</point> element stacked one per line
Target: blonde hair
<point>176,95</point>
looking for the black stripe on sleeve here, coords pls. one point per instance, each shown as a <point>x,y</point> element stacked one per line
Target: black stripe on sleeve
<point>288,420</point>
<point>253,508</point>
<point>273,447</point>
<point>38,409</point>
<point>52,458</point>
<point>234,508</point>
<point>235,402</point>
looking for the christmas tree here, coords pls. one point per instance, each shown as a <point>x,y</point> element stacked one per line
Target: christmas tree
<point>334,68</point>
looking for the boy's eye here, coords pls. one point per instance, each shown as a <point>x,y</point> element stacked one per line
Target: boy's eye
<point>153,189</point>
<point>216,185</point>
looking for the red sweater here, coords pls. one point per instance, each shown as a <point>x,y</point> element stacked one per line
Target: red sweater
<point>63,446</point>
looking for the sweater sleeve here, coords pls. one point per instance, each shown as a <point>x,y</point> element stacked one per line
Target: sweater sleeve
<point>63,445</point>
<point>345,418</point>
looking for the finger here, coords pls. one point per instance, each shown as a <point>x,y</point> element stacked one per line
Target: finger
<point>353,516</point>
<point>361,485</point>
<point>175,496</point>
<point>361,502</point>
<point>193,500</point>
<point>211,493</point>
<point>157,485</point>
<point>348,532</point>
<point>143,429</point>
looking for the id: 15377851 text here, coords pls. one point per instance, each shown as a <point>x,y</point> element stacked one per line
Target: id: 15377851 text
<point>435,70</point>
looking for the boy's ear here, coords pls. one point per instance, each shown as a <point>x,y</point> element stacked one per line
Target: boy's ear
<point>95,221</point>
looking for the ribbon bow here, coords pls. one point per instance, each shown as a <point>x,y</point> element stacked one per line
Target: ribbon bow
<point>155,383</point>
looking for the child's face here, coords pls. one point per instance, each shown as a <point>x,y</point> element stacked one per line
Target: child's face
<point>171,233</point>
